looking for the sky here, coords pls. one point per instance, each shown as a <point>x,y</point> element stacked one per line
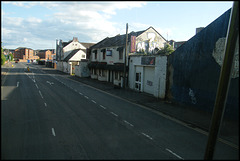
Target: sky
<point>38,24</point>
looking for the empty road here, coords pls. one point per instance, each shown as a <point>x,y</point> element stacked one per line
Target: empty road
<point>48,116</point>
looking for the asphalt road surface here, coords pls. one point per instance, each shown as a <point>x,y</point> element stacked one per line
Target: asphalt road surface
<point>48,116</point>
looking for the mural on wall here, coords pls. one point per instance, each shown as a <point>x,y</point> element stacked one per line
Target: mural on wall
<point>218,55</point>
<point>148,45</point>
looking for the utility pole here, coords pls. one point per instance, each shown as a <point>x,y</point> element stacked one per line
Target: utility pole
<point>125,57</point>
<point>224,80</point>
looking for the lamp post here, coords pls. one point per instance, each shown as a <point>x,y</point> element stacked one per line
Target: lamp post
<point>125,57</point>
<point>224,80</point>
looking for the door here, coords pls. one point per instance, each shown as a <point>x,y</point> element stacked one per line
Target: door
<point>138,82</point>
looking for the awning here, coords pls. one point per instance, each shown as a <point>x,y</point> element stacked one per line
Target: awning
<point>92,65</point>
<point>101,66</point>
<point>116,67</point>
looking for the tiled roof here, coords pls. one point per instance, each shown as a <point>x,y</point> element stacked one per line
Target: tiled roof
<point>66,43</point>
<point>118,40</point>
<point>73,52</point>
<point>87,45</point>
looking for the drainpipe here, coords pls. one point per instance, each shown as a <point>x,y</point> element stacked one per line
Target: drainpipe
<point>125,57</point>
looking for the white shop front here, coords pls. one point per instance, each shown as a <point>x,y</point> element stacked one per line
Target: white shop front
<point>148,74</point>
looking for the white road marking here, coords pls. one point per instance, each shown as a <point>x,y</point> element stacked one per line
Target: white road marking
<point>40,94</point>
<point>17,84</point>
<point>114,114</point>
<point>45,104</point>
<point>53,132</point>
<point>36,85</point>
<point>147,136</point>
<point>128,123</point>
<point>93,101</point>
<point>86,97</point>
<point>75,90</point>
<point>50,83</point>
<point>174,154</point>
<point>80,93</point>
<point>102,106</point>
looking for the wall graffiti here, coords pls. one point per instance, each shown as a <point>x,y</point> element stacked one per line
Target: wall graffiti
<point>193,98</point>
<point>148,45</point>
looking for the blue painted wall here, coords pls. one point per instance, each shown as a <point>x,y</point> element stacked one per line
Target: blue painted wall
<point>194,73</point>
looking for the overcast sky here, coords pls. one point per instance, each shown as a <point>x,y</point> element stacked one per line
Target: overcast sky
<point>37,25</point>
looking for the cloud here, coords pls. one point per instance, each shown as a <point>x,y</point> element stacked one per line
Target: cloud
<point>89,21</point>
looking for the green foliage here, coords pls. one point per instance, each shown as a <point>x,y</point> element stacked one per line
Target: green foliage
<point>3,59</point>
<point>10,57</point>
<point>166,50</point>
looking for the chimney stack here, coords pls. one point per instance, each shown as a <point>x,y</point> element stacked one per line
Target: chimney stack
<point>75,39</point>
<point>199,29</point>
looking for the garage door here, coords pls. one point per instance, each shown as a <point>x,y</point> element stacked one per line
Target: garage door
<point>148,80</point>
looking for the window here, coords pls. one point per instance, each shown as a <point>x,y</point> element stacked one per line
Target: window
<point>104,55</point>
<point>96,55</point>
<point>120,54</point>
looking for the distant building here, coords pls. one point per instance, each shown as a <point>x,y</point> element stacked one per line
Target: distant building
<point>176,44</point>
<point>108,57</point>
<point>70,54</point>
<point>45,54</point>
<point>24,54</point>
<point>199,29</point>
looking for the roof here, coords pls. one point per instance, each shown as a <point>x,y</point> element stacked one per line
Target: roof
<point>87,45</point>
<point>118,40</point>
<point>73,52</point>
<point>66,43</point>
<point>23,48</point>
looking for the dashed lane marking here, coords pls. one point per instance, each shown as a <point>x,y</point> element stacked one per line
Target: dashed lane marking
<point>128,123</point>
<point>147,136</point>
<point>174,154</point>
<point>93,101</point>
<point>53,132</point>
<point>40,94</point>
<point>103,107</point>
<point>114,114</point>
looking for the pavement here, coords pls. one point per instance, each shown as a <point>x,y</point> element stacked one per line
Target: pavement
<point>193,117</point>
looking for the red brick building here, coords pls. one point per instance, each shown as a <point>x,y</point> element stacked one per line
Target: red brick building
<point>45,54</point>
<point>24,54</point>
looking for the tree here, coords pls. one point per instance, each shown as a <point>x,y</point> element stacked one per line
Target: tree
<point>3,59</point>
<point>167,50</point>
<point>10,57</point>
